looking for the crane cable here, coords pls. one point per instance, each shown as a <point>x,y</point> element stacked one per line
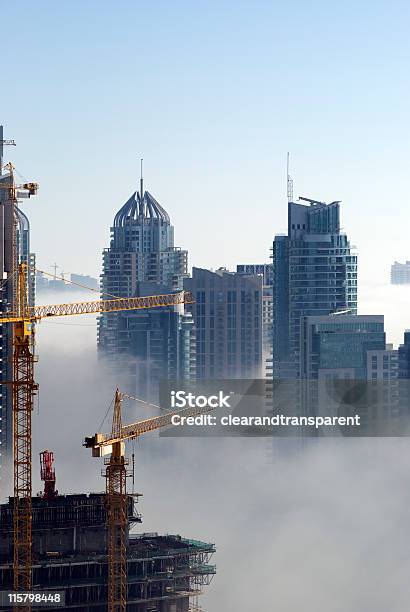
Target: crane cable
<point>6,280</point>
<point>77,284</point>
<point>106,414</point>
<point>137,399</point>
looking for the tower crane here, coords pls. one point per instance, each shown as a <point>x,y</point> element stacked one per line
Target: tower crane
<point>116,490</point>
<point>24,387</point>
<point>16,192</point>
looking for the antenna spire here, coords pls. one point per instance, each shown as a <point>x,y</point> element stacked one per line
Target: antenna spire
<point>289,183</point>
<point>141,181</point>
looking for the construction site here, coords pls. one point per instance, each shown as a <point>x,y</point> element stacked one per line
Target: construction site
<point>81,545</point>
<point>165,573</point>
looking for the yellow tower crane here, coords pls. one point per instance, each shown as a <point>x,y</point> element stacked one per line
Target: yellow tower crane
<point>116,490</point>
<point>24,388</point>
<point>25,190</point>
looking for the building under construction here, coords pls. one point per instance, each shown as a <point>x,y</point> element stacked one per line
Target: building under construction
<point>165,573</point>
<point>14,249</point>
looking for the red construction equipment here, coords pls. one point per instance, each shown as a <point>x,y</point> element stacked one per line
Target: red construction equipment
<point>48,475</point>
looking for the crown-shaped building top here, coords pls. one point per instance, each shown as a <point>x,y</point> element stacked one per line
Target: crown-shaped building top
<point>137,208</point>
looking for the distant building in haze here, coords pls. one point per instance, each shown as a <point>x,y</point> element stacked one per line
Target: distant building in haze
<point>56,283</point>
<point>400,273</point>
<point>84,281</point>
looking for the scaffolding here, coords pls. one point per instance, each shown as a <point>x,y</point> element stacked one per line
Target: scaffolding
<point>165,572</point>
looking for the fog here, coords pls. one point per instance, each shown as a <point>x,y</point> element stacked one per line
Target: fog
<point>391,300</point>
<point>321,529</point>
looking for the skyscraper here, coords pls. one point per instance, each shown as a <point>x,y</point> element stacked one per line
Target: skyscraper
<point>266,271</point>
<point>314,273</point>
<point>228,320</point>
<point>142,248</point>
<point>142,260</point>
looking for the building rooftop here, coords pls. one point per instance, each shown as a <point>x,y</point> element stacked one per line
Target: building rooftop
<point>136,208</point>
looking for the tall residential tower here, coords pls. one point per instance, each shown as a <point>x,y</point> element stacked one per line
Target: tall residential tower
<point>142,260</point>
<point>314,274</point>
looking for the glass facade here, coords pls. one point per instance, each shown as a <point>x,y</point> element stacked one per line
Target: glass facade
<point>345,345</point>
<point>266,271</point>
<point>142,260</point>
<point>228,320</point>
<point>314,273</point>
<point>349,349</point>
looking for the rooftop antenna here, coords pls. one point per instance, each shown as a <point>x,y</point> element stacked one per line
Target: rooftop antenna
<point>289,183</point>
<point>2,143</point>
<point>141,181</point>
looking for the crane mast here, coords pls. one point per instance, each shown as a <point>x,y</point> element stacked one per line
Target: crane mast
<point>117,515</point>
<point>23,392</point>
<point>23,388</point>
<point>116,489</point>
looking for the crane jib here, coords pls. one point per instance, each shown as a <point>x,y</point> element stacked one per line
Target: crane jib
<point>104,306</point>
<point>129,432</point>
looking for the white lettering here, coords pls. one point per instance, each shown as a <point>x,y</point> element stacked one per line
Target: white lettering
<point>182,399</point>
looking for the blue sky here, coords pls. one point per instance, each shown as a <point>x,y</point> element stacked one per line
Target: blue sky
<point>212,95</point>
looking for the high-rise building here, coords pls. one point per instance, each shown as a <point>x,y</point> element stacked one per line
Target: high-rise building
<point>266,271</point>
<point>400,273</point>
<point>158,344</point>
<point>228,320</point>
<point>404,356</point>
<point>346,348</point>
<point>341,342</point>
<point>14,249</point>
<point>314,274</point>
<point>383,373</point>
<point>404,373</point>
<point>152,344</point>
<point>142,249</point>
